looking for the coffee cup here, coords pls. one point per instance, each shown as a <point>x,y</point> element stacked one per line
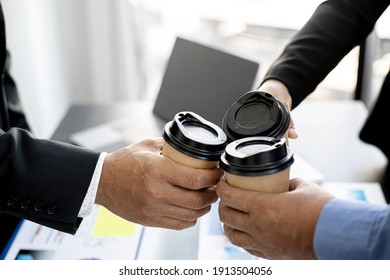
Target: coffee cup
<point>258,164</point>
<point>256,113</point>
<point>193,141</point>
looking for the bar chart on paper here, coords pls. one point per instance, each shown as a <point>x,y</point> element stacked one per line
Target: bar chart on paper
<point>102,235</point>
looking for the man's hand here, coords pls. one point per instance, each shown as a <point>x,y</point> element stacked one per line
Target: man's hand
<point>273,226</point>
<point>278,90</point>
<point>143,186</point>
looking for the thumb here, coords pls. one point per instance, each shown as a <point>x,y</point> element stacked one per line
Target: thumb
<point>296,183</point>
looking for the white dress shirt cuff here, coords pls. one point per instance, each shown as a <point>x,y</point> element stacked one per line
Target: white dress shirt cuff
<point>89,200</point>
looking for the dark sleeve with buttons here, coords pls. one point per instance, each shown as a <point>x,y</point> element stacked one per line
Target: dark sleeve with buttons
<point>44,181</point>
<point>335,28</point>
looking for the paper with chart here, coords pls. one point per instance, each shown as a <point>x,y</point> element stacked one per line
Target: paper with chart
<point>102,235</point>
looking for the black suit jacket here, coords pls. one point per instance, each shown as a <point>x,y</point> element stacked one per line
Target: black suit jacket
<point>335,28</point>
<point>40,180</point>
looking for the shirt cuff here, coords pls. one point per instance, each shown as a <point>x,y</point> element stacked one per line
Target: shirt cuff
<point>347,229</point>
<point>89,200</point>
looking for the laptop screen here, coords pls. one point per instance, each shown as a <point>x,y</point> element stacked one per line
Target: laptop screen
<point>203,80</point>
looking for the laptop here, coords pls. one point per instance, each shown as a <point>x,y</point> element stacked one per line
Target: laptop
<point>198,78</point>
<point>204,80</point>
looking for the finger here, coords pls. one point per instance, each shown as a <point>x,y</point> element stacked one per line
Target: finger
<point>247,242</point>
<point>262,254</point>
<point>189,199</point>
<point>171,223</point>
<point>233,197</point>
<point>240,238</point>
<point>184,214</point>
<point>296,183</point>
<point>292,133</point>
<point>191,178</point>
<point>166,215</point>
<point>153,144</point>
<point>256,253</point>
<point>232,217</point>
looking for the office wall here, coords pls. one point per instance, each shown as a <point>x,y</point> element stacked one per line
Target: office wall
<point>68,51</point>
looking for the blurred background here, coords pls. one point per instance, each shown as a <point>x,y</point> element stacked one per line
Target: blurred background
<point>68,52</point>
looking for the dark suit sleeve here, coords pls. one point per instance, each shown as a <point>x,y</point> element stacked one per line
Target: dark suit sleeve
<point>335,28</point>
<point>43,181</point>
<point>16,115</point>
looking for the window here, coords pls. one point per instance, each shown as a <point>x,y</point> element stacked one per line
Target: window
<point>257,29</point>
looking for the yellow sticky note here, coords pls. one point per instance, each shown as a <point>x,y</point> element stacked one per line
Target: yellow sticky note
<point>109,224</point>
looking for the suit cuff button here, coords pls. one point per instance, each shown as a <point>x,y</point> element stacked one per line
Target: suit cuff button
<point>51,210</point>
<point>38,207</point>
<point>11,202</point>
<point>25,204</point>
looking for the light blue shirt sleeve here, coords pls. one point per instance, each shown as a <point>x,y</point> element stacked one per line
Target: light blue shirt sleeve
<point>354,230</point>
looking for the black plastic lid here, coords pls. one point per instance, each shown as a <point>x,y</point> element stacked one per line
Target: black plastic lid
<point>256,113</point>
<point>256,156</point>
<point>194,136</point>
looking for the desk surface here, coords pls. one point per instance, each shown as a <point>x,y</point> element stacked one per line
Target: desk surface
<point>328,140</point>
<point>80,117</point>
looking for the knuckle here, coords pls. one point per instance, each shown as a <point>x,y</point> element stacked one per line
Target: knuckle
<point>221,213</point>
<point>197,181</point>
<point>155,194</point>
<point>224,193</point>
<point>181,225</point>
<point>232,237</point>
<point>191,215</point>
<point>147,211</point>
<point>198,201</point>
